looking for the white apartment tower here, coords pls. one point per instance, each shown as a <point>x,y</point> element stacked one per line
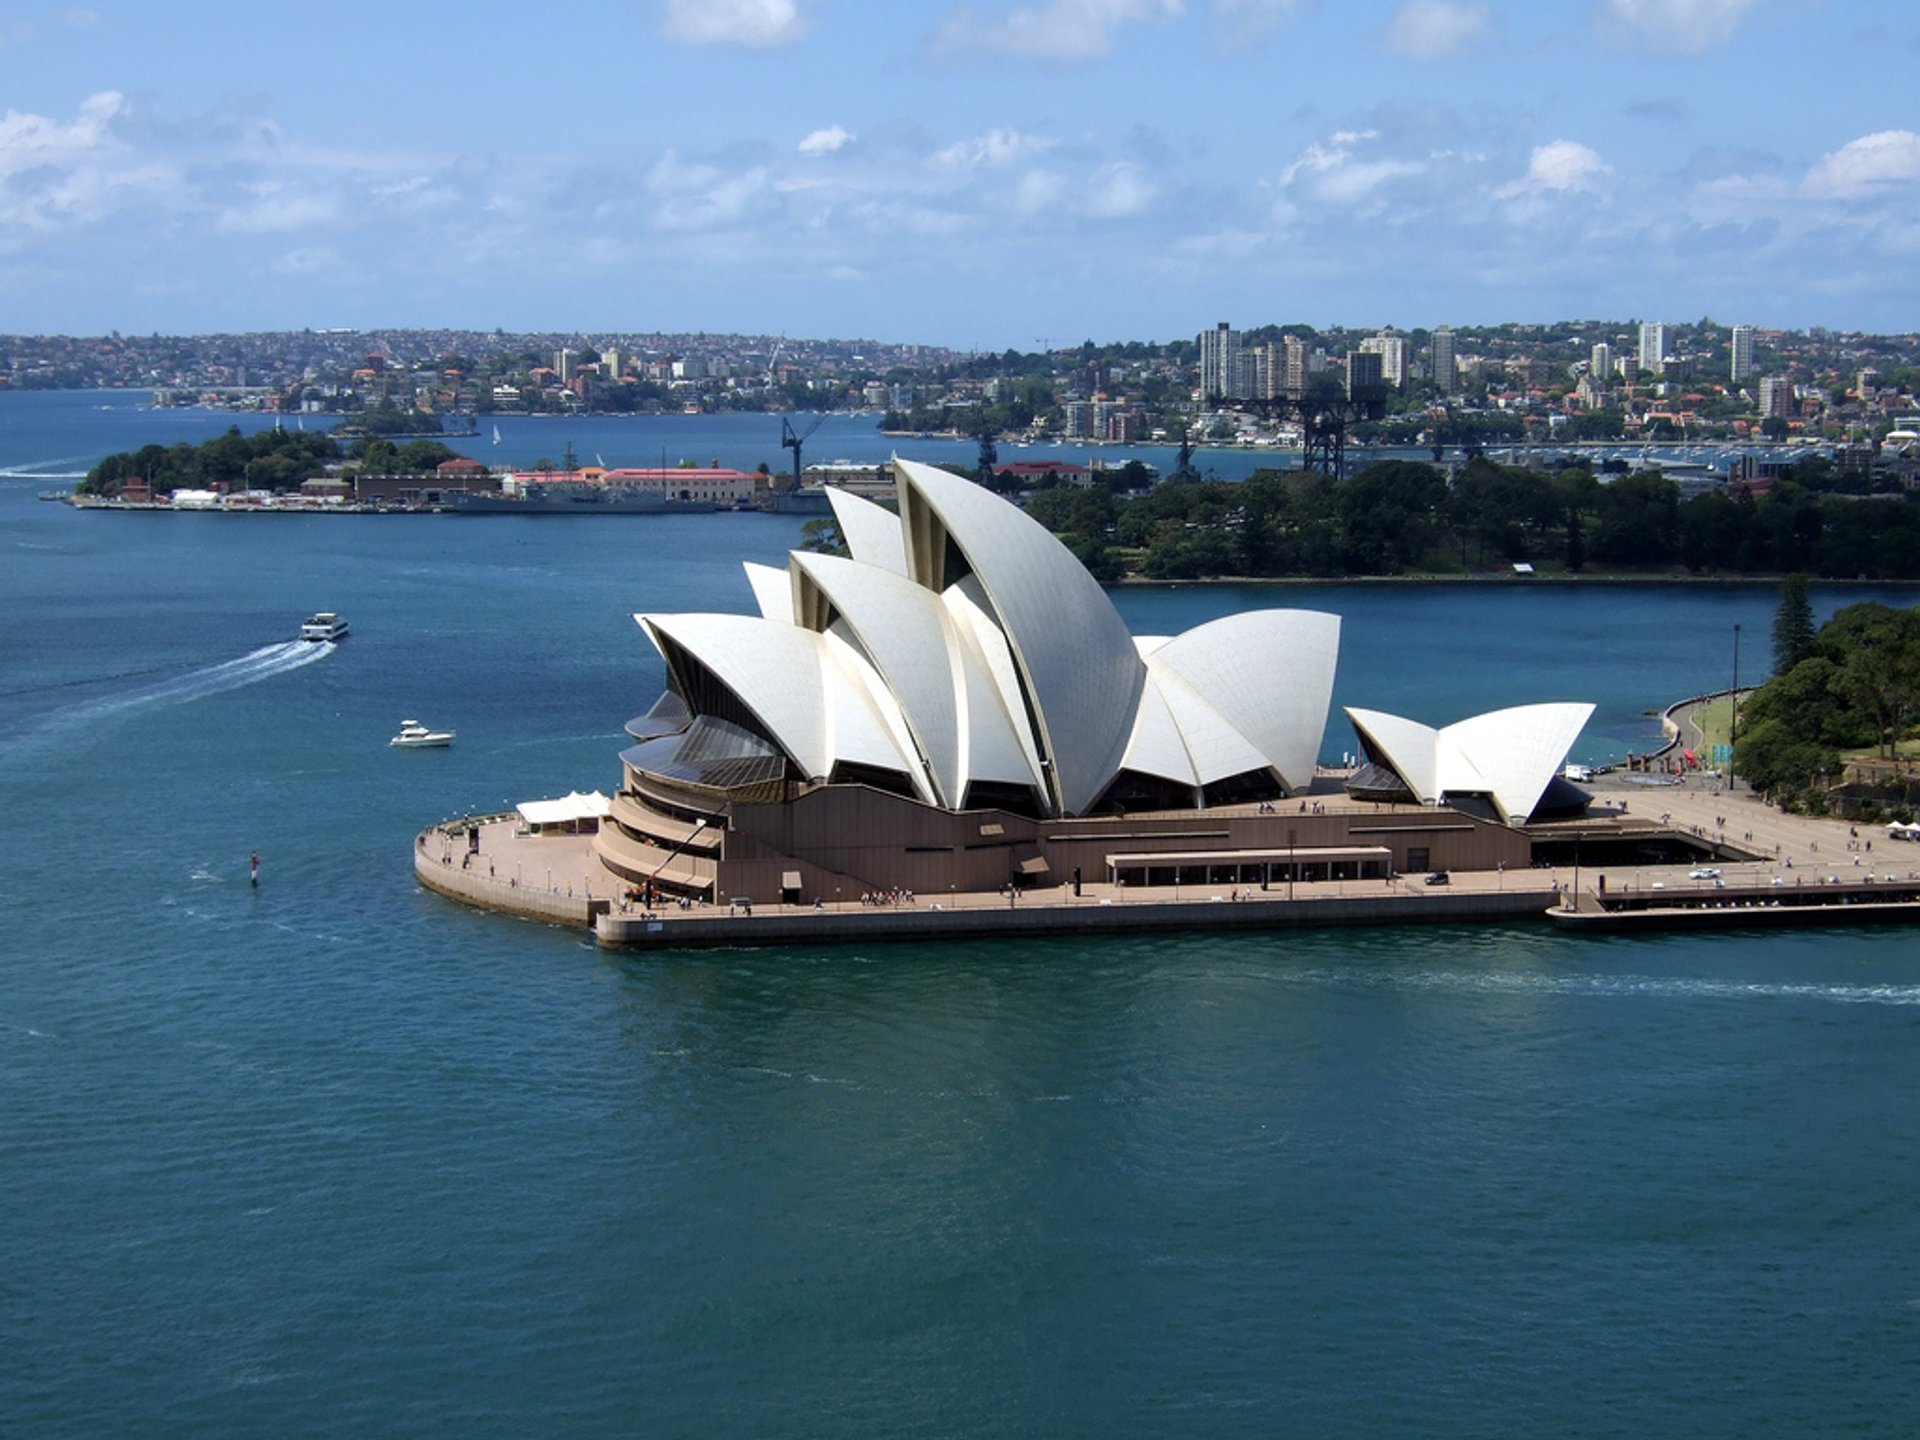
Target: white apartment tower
<point>1600,363</point>
<point>1653,346</point>
<point>1446,373</point>
<point>1222,367</point>
<point>1392,350</point>
<point>1742,367</point>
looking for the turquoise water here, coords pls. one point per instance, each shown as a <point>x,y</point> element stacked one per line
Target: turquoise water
<point>335,1157</point>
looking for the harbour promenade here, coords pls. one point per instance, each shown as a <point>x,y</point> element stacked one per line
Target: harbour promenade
<point>490,861</point>
<point>494,862</point>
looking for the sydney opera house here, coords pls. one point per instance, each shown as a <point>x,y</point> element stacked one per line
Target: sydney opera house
<point>957,705</point>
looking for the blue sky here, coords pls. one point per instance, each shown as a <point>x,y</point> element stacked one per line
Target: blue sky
<point>983,174</point>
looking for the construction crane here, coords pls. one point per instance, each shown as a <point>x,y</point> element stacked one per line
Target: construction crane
<point>793,439</point>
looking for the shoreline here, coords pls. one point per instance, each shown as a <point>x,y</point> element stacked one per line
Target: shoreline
<point>1765,867</point>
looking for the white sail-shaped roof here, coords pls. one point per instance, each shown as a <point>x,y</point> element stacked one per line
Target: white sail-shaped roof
<point>1519,751</point>
<point>999,744</point>
<point>772,591</point>
<point>810,699</point>
<point>1412,749</point>
<point>772,669</point>
<point>1156,746</point>
<point>906,634</point>
<point>1214,742</point>
<point>1510,756</point>
<point>1269,673</point>
<point>960,645</point>
<point>1081,674</point>
<point>872,532</point>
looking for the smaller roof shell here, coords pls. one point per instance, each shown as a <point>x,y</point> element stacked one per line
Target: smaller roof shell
<point>1508,755</point>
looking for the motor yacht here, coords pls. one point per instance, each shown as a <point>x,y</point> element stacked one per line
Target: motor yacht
<point>415,736</point>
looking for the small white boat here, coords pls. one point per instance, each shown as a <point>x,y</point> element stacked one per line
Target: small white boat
<point>324,626</point>
<point>415,736</point>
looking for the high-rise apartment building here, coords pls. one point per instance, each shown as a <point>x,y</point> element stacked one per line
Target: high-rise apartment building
<point>1742,366</point>
<point>1446,373</point>
<point>1776,397</point>
<point>1223,368</point>
<point>1653,346</point>
<point>1364,371</point>
<point>1295,363</point>
<point>1392,350</point>
<point>1600,363</point>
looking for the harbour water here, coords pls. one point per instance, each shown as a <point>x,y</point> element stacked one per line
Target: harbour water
<point>335,1157</point>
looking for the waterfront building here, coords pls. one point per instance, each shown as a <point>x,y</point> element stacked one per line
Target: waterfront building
<point>1446,372</point>
<point>1741,368</point>
<point>957,704</point>
<point>1653,346</point>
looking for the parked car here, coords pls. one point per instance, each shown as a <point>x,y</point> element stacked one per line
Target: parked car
<point>1703,872</point>
<point>1438,877</point>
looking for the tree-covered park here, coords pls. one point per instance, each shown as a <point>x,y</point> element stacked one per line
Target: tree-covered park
<point>1405,517</point>
<point>276,460</point>
<point>1844,697</point>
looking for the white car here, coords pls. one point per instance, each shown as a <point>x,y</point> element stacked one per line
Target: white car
<point>1703,872</point>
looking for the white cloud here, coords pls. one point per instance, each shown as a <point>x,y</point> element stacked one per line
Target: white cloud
<point>996,147</point>
<point>1039,191</point>
<point>754,24</point>
<point>1335,173</point>
<point>272,207</point>
<point>30,141</point>
<point>1558,166</point>
<point>827,141</point>
<point>701,197</point>
<point>1432,29</point>
<point>1053,29</point>
<point>1119,192</point>
<point>1867,165</point>
<point>1684,26</point>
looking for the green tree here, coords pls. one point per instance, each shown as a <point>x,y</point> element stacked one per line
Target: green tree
<point>1793,630</point>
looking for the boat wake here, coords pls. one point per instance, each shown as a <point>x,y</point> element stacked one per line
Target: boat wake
<point>1629,986</point>
<point>35,472</point>
<point>249,669</point>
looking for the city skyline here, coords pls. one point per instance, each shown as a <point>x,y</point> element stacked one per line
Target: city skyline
<point>983,177</point>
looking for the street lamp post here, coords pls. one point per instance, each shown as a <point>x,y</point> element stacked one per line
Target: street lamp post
<point>1733,732</point>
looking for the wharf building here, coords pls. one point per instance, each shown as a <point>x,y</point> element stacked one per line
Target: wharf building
<point>957,706</point>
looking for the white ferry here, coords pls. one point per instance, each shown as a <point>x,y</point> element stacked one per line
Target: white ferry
<point>324,626</point>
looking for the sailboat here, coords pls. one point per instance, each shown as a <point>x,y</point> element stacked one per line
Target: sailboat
<point>496,434</point>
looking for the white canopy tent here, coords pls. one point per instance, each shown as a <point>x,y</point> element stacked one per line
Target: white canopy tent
<point>570,813</point>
